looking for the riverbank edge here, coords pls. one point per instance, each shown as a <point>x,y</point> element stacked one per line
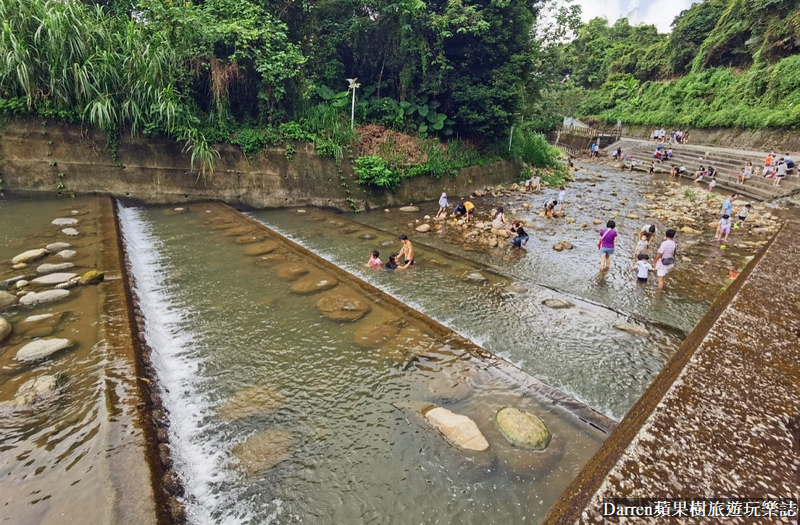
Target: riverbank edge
<point>165,484</point>
<point>40,156</point>
<point>573,504</point>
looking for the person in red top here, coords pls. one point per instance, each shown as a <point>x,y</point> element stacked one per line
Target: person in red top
<point>606,245</point>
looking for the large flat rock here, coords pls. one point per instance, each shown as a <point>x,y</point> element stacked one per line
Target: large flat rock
<point>29,256</point>
<point>41,349</point>
<point>459,430</point>
<point>54,278</point>
<point>50,268</point>
<point>47,296</point>
<point>522,429</point>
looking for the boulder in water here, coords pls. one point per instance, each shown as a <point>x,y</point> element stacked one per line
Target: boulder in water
<point>5,329</point>
<point>47,296</point>
<point>72,232</point>
<point>689,230</point>
<point>36,389</point>
<point>54,278</point>
<point>252,401</point>
<point>409,209</point>
<point>563,245</point>
<point>423,228</point>
<point>8,283</point>
<point>341,306</point>
<point>92,277</point>
<point>262,451</point>
<point>367,237</point>
<point>262,248</point>
<point>522,429</point>
<point>457,429</point>
<point>291,271</point>
<point>449,387</point>
<point>557,303</point>
<point>58,246</point>
<point>475,277</point>
<point>64,222</point>
<point>50,268</point>
<point>314,284</point>
<point>632,329</point>
<point>7,299</point>
<point>66,254</point>
<point>29,256</point>
<point>41,349</point>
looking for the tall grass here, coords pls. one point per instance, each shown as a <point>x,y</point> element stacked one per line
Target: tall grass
<point>64,57</point>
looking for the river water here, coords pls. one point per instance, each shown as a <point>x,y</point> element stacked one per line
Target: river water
<point>67,454</point>
<point>280,414</point>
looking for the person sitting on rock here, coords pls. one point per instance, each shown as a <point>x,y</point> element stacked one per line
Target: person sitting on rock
<point>499,219</point>
<point>533,184</point>
<point>522,237</point>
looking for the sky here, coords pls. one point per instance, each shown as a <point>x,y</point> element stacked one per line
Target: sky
<point>659,13</point>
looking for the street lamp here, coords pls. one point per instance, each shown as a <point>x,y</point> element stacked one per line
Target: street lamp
<point>353,85</point>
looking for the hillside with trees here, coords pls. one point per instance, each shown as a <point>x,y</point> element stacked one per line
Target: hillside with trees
<point>726,63</point>
<point>454,75</point>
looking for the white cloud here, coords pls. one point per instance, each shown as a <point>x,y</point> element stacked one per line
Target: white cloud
<point>659,13</point>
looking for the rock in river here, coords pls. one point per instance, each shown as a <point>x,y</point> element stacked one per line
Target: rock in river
<point>41,348</point>
<point>252,401</point>
<point>261,248</point>
<point>64,222</point>
<point>423,228</point>
<point>263,451</point>
<point>313,285</point>
<point>632,329</point>
<point>58,246</point>
<point>522,429</point>
<point>343,306</point>
<point>92,277</point>
<point>459,430</point>
<point>5,329</point>
<point>291,271</point>
<point>35,389</point>
<point>7,299</point>
<point>49,268</point>
<point>47,296</point>
<point>409,209</point>
<point>54,278</point>
<point>72,232</point>
<point>66,254</point>
<point>557,303</point>
<point>30,256</point>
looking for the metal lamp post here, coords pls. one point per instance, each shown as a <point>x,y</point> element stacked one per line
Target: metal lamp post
<point>353,85</point>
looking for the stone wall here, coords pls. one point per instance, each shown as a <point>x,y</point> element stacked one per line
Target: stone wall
<point>35,151</point>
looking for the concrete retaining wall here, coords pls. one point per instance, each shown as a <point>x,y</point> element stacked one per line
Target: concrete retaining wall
<point>34,151</point>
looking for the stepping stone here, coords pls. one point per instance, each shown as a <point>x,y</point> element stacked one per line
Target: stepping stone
<point>7,299</point>
<point>66,254</point>
<point>291,271</point>
<point>47,296</point>
<point>8,283</point>
<point>33,390</point>
<point>54,278</point>
<point>58,246</point>
<point>408,209</point>
<point>314,285</point>
<point>92,277</point>
<point>41,348</point>
<point>49,268</point>
<point>522,429</point>
<point>72,232</point>
<point>261,248</point>
<point>262,451</point>
<point>252,401</point>
<point>64,222</point>
<point>5,329</point>
<point>557,303</point>
<point>29,256</point>
<point>343,306</point>
<point>457,429</point>
<point>632,329</point>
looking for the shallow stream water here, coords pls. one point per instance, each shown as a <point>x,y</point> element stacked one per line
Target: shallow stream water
<point>56,449</point>
<point>280,414</point>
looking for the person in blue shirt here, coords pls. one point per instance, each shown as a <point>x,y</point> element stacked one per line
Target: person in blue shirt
<point>727,206</point>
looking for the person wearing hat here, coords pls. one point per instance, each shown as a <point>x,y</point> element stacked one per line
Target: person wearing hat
<point>442,206</point>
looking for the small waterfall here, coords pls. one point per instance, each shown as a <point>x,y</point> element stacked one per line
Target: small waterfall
<point>200,459</point>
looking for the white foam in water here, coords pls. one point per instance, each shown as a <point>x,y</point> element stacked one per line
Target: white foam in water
<point>199,460</point>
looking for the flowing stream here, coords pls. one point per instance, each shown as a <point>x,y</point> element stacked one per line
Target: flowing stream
<point>284,411</point>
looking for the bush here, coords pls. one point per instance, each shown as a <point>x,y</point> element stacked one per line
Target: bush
<point>373,171</point>
<point>534,149</point>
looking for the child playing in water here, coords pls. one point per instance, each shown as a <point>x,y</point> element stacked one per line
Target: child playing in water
<point>442,206</point>
<point>642,267</point>
<point>743,214</point>
<point>724,227</point>
<point>374,260</point>
<point>642,244</point>
<point>391,264</point>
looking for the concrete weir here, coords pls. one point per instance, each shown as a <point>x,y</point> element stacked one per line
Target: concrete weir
<point>722,420</point>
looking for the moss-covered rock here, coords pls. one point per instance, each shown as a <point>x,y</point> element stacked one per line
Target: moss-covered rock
<point>92,277</point>
<point>522,429</point>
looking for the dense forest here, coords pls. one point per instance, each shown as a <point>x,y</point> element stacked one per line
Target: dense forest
<point>726,63</point>
<point>456,76</point>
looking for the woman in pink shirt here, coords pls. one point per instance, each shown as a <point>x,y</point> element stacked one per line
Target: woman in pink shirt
<point>606,245</point>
